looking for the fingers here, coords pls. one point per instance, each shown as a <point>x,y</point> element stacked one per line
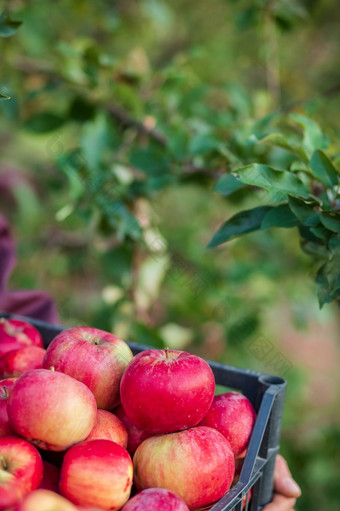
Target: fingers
<point>280,503</point>
<point>283,481</point>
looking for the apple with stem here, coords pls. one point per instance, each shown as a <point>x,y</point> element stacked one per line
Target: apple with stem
<point>94,357</point>
<point>163,391</point>
<point>97,473</point>
<point>51,409</point>
<point>197,464</point>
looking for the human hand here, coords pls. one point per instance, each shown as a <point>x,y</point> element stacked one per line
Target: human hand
<point>286,491</point>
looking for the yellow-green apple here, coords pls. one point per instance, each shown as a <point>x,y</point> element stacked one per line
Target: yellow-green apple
<point>5,388</point>
<point>155,499</point>
<point>18,361</point>
<point>135,435</point>
<point>233,415</point>
<point>109,427</point>
<point>163,391</point>
<point>21,470</point>
<point>15,333</point>
<point>97,473</point>
<point>197,464</point>
<point>50,480</point>
<point>51,409</point>
<point>45,500</point>
<point>94,357</point>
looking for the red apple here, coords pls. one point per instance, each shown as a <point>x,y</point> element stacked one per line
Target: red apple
<point>233,415</point>
<point>197,464</point>
<point>109,427</point>
<point>51,409</point>
<point>50,480</point>
<point>135,435</point>
<point>166,390</point>
<point>18,361</point>
<point>97,473</point>
<point>155,499</point>
<point>21,470</point>
<point>11,493</point>
<point>5,388</point>
<point>45,500</point>
<point>89,508</point>
<point>15,334</point>
<point>94,357</point>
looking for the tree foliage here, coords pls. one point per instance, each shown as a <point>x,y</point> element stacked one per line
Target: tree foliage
<point>134,129</point>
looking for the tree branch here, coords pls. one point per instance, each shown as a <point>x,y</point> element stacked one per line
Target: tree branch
<point>128,121</point>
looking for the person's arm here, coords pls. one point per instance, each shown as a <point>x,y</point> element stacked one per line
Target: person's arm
<point>286,490</point>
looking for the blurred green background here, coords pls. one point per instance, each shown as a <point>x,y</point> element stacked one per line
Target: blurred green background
<point>108,169</point>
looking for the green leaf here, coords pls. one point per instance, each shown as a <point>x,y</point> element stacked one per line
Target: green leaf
<point>323,169</point>
<point>94,139</point>
<point>305,232</point>
<point>321,232</point>
<point>241,223</point>
<point>228,184</point>
<point>151,161</point>
<point>331,221</point>
<point>304,211</point>
<point>315,249</point>
<point>8,26</point>
<point>278,140</point>
<point>201,144</point>
<point>278,181</point>
<point>334,243</point>
<point>43,122</point>
<point>3,97</point>
<point>279,216</point>
<point>328,280</point>
<point>313,138</point>
<point>322,288</point>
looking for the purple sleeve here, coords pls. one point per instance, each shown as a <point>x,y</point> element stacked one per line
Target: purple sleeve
<point>35,304</point>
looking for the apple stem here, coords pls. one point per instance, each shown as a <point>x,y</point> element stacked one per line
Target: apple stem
<point>5,389</point>
<point>3,463</point>
<point>8,327</point>
<point>166,352</point>
<point>51,368</point>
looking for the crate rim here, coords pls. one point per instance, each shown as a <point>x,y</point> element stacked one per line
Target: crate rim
<point>266,378</point>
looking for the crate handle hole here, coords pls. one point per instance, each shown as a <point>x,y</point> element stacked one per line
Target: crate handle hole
<point>272,380</point>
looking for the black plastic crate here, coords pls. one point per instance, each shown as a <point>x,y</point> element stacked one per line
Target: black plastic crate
<point>266,393</point>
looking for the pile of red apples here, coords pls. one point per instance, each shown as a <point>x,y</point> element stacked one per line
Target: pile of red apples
<point>84,425</point>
